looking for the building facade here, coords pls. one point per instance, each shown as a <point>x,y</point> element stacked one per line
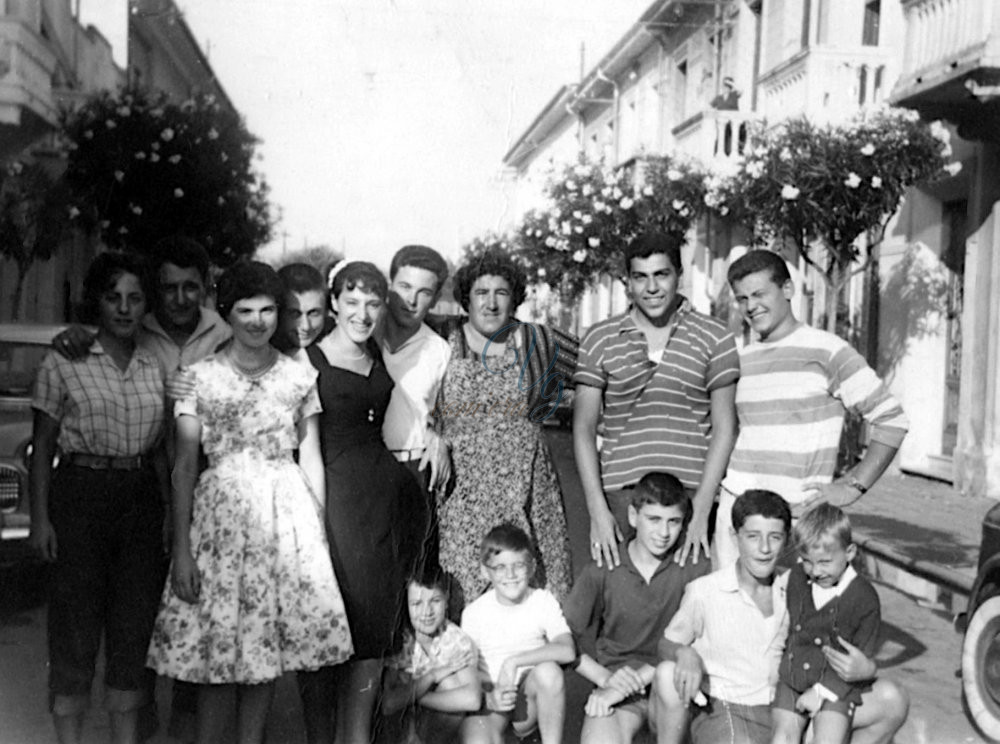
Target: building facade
<point>689,78</point>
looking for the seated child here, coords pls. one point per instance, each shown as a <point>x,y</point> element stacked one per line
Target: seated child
<point>433,681</point>
<point>827,600</point>
<point>629,608</point>
<point>523,639</point>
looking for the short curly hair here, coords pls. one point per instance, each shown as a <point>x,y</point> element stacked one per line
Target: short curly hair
<point>248,279</point>
<point>491,262</point>
<point>362,275</point>
<point>104,272</point>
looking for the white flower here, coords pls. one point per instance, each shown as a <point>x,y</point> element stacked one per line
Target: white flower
<point>580,256</point>
<point>868,150</point>
<point>136,209</point>
<point>785,155</point>
<point>167,134</point>
<point>755,169</point>
<point>760,151</point>
<point>600,206</point>
<point>123,230</point>
<point>567,228</point>
<point>581,170</point>
<point>587,189</point>
<point>626,203</point>
<point>224,157</point>
<point>140,155</point>
<point>586,219</point>
<point>154,158</point>
<point>577,214</point>
<point>175,159</point>
<point>876,182</point>
<point>16,167</point>
<point>105,224</point>
<point>684,211</point>
<point>119,176</point>
<point>571,185</point>
<point>953,168</point>
<point>178,193</point>
<point>789,192</point>
<point>853,180</point>
<point>88,134</point>
<point>578,229</point>
<point>593,242</point>
<point>156,113</point>
<point>723,210</point>
<point>677,204</point>
<point>212,134</point>
<point>74,213</point>
<point>541,273</point>
<point>220,201</point>
<point>154,146</point>
<point>110,124</point>
<point>674,175</point>
<point>647,191</point>
<point>616,193</point>
<point>123,111</point>
<point>606,192</point>
<point>550,242</point>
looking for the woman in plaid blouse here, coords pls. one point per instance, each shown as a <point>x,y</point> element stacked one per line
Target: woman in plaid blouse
<point>98,517</point>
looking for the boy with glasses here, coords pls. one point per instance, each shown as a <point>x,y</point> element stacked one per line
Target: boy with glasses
<point>523,640</point>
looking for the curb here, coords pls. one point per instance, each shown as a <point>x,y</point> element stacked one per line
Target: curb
<point>936,585</point>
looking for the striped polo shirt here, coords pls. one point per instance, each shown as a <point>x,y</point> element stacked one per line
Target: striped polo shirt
<point>656,414</point>
<point>791,401</point>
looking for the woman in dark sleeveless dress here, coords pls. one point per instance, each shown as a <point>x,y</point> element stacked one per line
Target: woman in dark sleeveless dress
<point>374,508</point>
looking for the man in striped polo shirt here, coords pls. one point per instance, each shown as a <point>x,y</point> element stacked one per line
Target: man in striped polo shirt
<point>661,381</point>
<point>796,385</point>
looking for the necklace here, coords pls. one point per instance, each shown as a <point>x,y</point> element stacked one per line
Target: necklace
<point>259,370</point>
<point>362,355</point>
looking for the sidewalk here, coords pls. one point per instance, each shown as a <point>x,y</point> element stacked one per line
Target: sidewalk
<point>922,537</point>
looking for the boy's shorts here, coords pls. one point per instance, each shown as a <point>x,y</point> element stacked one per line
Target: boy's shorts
<point>785,697</point>
<point>519,714</point>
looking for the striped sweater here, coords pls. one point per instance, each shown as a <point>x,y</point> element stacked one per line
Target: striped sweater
<point>791,400</point>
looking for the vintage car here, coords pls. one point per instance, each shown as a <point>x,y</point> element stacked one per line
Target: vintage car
<point>981,645</point>
<point>22,346</point>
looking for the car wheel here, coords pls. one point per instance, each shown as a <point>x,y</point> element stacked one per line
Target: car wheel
<point>981,668</point>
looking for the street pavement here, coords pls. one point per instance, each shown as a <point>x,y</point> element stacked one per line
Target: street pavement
<point>920,648</point>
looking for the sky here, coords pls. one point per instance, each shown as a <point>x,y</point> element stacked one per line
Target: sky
<point>384,122</point>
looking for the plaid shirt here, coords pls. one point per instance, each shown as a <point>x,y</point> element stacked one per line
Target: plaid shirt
<point>101,409</point>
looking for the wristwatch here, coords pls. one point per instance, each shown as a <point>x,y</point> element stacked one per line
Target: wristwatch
<point>853,482</point>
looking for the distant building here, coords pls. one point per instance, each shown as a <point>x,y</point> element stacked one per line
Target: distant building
<point>653,92</point>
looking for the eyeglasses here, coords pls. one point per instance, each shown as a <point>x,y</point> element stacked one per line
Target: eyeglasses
<point>510,569</point>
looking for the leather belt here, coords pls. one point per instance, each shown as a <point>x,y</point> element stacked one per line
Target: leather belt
<point>106,462</point>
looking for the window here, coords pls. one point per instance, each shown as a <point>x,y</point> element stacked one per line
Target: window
<point>873,16</point>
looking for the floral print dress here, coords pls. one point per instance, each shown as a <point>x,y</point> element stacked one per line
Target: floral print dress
<point>269,601</point>
<point>503,472</point>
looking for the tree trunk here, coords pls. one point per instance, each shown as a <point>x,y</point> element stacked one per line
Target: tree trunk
<point>832,299</point>
<point>22,273</point>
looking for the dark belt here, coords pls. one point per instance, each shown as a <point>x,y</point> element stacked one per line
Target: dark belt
<point>106,462</point>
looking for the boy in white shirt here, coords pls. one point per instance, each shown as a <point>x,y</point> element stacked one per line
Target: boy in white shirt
<point>523,640</point>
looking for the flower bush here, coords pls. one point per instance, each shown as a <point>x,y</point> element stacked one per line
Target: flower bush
<point>140,167</point>
<point>829,184</point>
<point>594,211</point>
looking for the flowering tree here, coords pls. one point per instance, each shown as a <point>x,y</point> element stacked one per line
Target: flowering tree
<point>32,219</point>
<point>828,185</point>
<point>594,211</point>
<point>140,168</point>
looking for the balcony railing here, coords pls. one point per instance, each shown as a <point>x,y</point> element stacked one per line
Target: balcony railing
<point>946,39</point>
<point>26,67</point>
<point>828,82</point>
<point>713,135</point>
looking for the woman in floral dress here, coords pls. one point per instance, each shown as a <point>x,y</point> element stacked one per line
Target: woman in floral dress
<point>491,414</point>
<point>252,591</point>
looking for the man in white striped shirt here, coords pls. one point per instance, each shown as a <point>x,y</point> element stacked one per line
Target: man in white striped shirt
<point>796,385</point>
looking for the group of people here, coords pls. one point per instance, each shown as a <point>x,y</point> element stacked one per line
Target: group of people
<point>273,488</point>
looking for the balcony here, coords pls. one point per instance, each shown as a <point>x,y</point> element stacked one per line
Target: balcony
<point>713,136</point>
<point>952,54</point>
<point>824,82</point>
<point>26,67</point>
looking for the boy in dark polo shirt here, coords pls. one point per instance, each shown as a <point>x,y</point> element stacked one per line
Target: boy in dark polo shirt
<point>629,608</point>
